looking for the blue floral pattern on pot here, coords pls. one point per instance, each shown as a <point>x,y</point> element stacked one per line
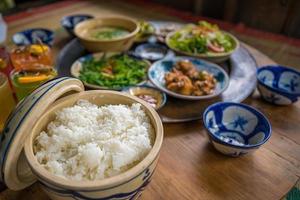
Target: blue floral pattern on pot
<point>32,36</point>
<point>235,129</point>
<point>138,184</point>
<point>278,84</point>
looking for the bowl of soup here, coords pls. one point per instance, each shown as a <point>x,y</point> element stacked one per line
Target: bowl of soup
<point>107,34</point>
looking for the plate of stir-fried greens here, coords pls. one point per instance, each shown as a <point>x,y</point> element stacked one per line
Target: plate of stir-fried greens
<point>112,70</point>
<point>203,40</point>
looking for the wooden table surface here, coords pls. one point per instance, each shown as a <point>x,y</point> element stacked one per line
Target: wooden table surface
<point>189,167</point>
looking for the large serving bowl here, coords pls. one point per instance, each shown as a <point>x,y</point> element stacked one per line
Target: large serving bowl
<point>127,185</point>
<point>278,84</point>
<point>118,44</point>
<point>235,129</point>
<point>33,36</point>
<point>213,57</point>
<point>69,22</point>
<point>157,71</point>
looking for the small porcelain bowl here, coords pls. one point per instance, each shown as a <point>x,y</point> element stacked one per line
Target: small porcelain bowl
<point>127,185</point>
<point>69,22</point>
<point>278,84</point>
<point>235,129</point>
<point>83,30</point>
<point>32,36</point>
<point>153,51</point>
<point>160,97</point>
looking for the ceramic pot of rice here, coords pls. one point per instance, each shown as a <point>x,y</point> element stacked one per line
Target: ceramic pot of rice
<point>80,144</point>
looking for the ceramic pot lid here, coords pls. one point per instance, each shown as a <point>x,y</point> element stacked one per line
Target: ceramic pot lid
<point>15,172</point>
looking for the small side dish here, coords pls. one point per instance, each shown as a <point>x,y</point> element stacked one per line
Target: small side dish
<point>204,40</point>
<point>146,30</point>
<point>149,94</point>
<point>185,79</point>
<point>110,71</point>
<point>90,142</point>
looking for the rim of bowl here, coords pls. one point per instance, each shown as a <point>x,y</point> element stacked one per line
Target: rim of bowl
<point>234,145</point>
<point>163,94</point>
<point>131,34</point>
<point>203,55</point>
<point>190,97</point>
<point>105,183</point>
<point>273,88</point>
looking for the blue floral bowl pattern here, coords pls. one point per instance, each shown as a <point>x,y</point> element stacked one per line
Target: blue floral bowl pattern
<point>278,84</point>
<point>235,129</point>
<point>32,36</point>
<point>157,72</point>
<point>69,22</point>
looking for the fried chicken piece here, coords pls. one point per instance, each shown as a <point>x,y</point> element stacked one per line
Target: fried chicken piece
<point>182,85</point>
<point>187,68</point>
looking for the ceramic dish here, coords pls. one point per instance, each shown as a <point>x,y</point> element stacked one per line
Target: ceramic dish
<point>278,84</point>
<point>153,51</point>
<point>235,129</point>
<point>157,71</point>
<point>69,22</point>
<point>213,57</point>
<point>127,185</point>
<point>32,36</point>
<point>148,90</point>
<point>78,64</point>
<point>119,44</point>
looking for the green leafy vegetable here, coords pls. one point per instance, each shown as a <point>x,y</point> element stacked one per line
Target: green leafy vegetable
<point>114,72</point>
<point>204,38</point>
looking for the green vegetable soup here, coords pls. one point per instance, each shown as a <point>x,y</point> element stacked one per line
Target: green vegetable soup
<point>108,33</point>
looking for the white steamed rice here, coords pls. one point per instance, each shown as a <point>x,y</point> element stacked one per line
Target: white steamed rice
<point>90,142</point>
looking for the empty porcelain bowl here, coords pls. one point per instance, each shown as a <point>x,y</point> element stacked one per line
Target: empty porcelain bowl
<point>235,129</point>
<point>32,36</point>
<point>69,22</point>
<point>278,84</point>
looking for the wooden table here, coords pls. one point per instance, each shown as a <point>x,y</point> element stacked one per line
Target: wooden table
<point>189,167</point>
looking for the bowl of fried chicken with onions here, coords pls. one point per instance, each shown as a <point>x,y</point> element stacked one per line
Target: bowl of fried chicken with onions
<point>188,78</point>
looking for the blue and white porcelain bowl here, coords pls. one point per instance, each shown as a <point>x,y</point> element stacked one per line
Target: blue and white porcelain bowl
<point>32,36</point>
<point>69,22</point>
<point>278,84</point>
<point>157,71</point>
<point>235,129</point>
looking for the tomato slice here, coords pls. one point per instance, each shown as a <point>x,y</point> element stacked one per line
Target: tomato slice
<point>215,48</point>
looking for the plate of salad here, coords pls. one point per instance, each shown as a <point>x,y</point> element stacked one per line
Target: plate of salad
<point>111,70</point>
<point>203,40</point>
